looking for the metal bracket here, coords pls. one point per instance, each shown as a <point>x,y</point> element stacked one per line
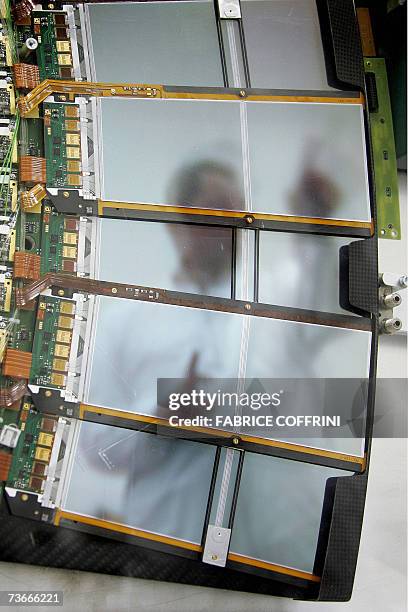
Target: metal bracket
<point>229,9</point>
<point>216,545</point>
<point>389,298</point>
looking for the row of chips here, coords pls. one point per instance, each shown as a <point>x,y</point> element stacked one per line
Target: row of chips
<point>42,454</point>
<point>63,343</point>
<point>62,42</point>
<point>73,143</point>
<point>70,245</point>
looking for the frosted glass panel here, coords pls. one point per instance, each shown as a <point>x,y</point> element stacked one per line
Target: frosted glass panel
<point>158,152</point>
<point>189,258</point>
<point>294,159</point>
<point>136,343</point>
<point>162,43</point>
<point>142,480</point>
<point>308,160</point>
<point>279,510</point>
<point>283,43</point>
<point>300,270</point>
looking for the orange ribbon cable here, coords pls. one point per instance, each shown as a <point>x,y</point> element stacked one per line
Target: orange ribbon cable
<point>5,464</point>
<point>33,197</point>
<point>22,10</point>
<point>26,76</point>
<point>32,169</point>
<point>17,364</point>
<point>10,396</point>
<point>27,265</point>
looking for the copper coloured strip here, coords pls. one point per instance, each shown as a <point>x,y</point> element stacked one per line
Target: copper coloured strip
<point>248,217</point>
<point>162,296</point>
<point>140,90</point>
<point>147,535</point>
<point>208,431</point>
<point>272,567</point>
<point>118,527</point>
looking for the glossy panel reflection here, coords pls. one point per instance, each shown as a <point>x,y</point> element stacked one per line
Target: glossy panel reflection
<point>284,45</point>
<point>141,480</point>
<point>178,257</point>
<point>162,43</point>
<point>279,510</point>
<point>300,270</point>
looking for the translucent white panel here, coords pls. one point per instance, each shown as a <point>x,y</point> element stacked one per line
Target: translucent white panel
<point>156,151</point>
<point>279,510</point>
<point>289,350</point>
<point>308,160</point>
<point>142,480</point>
<point>179,257</point>
<point>294,159</point>
<point>284,45</point>
<point>168,43</point>
<point>136,343</point>
<point>300,270</point>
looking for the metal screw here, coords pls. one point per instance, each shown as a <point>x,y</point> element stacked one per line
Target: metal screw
<point>24,497</point>
<point>114,290</point>
<point>48,393</point>
<point>242,93</point>
<point>249,219</point>
<point>113,91</point>
<point>65,194</point>
<point>247,306</point>
<point>235,441</point>
<point>214,557</point>
<point>61,292</point>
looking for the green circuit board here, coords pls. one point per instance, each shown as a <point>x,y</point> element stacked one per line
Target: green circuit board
<point>24,453</point>
<point>32,453</point>
<point>47,54</point>
<point>53,334</point>
<point>384,157</point>
<point>62,145</point>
